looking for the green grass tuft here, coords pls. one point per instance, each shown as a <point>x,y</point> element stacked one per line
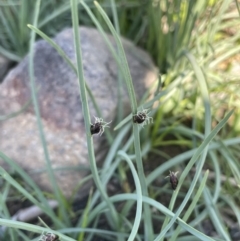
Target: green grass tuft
<point>195,45</point>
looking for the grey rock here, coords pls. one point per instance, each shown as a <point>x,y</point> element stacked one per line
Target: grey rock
<point>60,105</point>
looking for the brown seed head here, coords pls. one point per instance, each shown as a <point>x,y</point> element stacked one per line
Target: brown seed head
<point>51,237</point>
<point>173,179</point>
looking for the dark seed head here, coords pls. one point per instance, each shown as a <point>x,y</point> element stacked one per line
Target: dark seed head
<point>95,128</point>
<point>173,179</point>
<point>98,126</point>
<point>51,237</point>
<point>140,117</point>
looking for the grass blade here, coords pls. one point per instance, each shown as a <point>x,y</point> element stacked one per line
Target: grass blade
<point>139,197</point>
<point>39,122</point>
<point>148,227</point>
<point>192,206</point>
<point>83,94</point>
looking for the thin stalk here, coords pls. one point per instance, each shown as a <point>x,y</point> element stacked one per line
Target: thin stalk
<point>119,75</point>
<point>148,227</point>
<point>83,94</point>
<point>139,196</point>
<point>39,123</point>
<point>191,207</point>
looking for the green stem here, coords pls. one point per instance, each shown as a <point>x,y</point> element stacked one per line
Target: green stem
<point>148,228</point>
<point>38,115</point>
<point>82,89</point>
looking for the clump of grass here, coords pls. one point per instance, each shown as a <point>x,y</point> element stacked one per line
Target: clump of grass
<point>186,117</point>
<point>15,15</point>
